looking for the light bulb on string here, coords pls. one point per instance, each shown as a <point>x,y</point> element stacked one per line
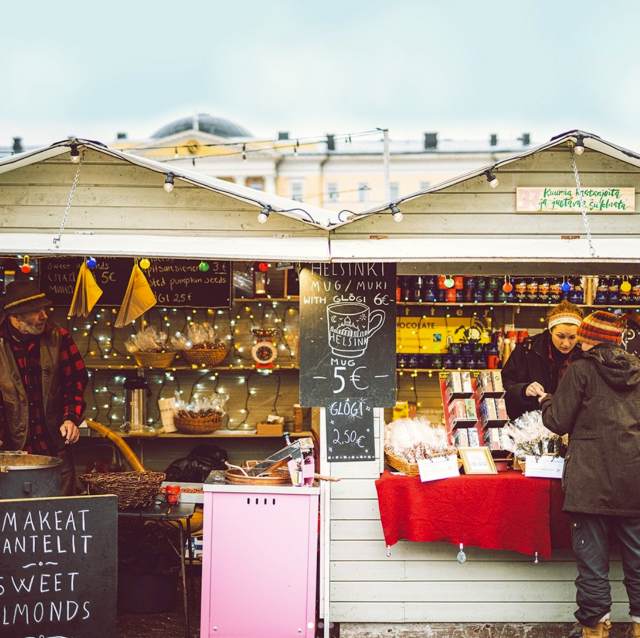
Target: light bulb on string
<point>203,266</point>
<point>74,154</point>
<point>263,215</point>
<point>26,266</point>
<point>145,263</point>
<point>168,182</point>
<point>625,286</point>
<point>448,282</point>
<point>397,213</point>
<point>507,286</point>
<point>566,286</point>
<point>491,178</point>
<point>91,262</point>
<point>579,147</point>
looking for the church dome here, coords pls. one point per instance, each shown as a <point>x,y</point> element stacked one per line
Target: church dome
<point>202,122</point>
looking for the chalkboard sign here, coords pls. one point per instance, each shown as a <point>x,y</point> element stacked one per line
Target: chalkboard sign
<point>350,430</point>
<point>348,333</point>
<point>59,567</point>
<point>175,282</point>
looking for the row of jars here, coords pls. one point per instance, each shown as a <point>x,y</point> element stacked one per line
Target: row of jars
<point>469,356</point>
<point>520,289</point>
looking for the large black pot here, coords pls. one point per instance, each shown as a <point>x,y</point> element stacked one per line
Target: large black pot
<point>29,475</point>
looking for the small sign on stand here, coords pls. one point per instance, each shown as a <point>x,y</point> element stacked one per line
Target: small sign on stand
<point>438,467</point>
<point>545,466</point>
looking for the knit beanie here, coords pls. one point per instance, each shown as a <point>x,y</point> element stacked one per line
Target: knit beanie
<point>601,327</point>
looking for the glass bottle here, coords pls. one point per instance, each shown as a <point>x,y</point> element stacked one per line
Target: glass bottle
<point>532,290</point>
<point>543,289</point>
<point>614,291</point>
<point>602,292</point>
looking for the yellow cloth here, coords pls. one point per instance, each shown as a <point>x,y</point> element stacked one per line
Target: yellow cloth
<point>137,300</point>
<point>86,294</point>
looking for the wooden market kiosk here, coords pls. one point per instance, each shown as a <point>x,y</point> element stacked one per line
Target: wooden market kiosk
<point>466,227</point>
<point>459,227</point>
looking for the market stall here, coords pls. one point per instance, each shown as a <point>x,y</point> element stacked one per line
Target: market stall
<point>520,217</point>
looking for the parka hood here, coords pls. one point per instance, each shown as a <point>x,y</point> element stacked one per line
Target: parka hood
<point>619,369</point>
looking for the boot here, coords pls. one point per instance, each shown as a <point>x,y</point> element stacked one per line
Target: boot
<point>634,630</point>
<point>601,630</point>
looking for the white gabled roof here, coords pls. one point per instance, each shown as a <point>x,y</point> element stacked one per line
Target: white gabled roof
<point>590,141</point>
<point>313,215</point>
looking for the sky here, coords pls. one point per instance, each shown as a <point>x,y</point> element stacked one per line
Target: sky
<point>462,68</point>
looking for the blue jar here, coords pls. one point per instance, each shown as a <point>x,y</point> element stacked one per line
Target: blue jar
<point>458,361</point>
<point>401,360</point>
<point>446,362</point>
<point>412,362</point>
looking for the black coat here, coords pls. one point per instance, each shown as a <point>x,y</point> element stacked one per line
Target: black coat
<point>529,362</point>
<point>598,404</point>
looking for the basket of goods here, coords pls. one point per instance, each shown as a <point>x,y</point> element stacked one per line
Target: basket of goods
<point>203,415</point>
<point>200,346</point>
<point>150,349</point>
<point>527,436</point>
<point>407,441</point>
<point>133,489</point>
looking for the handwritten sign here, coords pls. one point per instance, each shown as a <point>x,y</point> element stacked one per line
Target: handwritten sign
<point>175,282</point>
<point>438,467</point>
<point>59,567</point>
<point>544,466</point>
<point>546,199</point>
<point>350,430</point>
<point>347,323</point>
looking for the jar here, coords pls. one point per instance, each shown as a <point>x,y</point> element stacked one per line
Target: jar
<point>479,295</point>
<point>458,283</point>
<point>417,288</point>
<point>441,295</point>
<point>521,289</point>
<point>555,290</point>
<point>481,283</point>
<point>532,290</point>
<point>450,295</point>
<point>424,361</point>
<point>458,361</point>
<point>412,362</point>
<point>407,290</point>
<point>543,289</point>
<point>429,294</point>
<point>602,292</point>
<point>401,360</point>
<point>454,348</point>
<point>436,361</point>
<point>614,291</point>
<point>635,290</point>
<point>465,348</point>
<point>446,362</point>
<point>489,295</point>
<point>578,291</point>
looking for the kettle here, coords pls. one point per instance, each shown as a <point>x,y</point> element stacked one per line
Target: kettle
<point>136,391</point>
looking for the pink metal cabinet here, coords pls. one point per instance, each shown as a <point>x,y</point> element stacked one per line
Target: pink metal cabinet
<point>259,561</point>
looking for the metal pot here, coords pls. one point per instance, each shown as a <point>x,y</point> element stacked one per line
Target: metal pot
<point>29,475</point>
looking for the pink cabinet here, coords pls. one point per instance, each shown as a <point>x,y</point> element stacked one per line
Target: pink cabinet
<point>259,561</point>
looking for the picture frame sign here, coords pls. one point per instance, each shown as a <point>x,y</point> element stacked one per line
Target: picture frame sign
<point>59,570</point>
<point>348,333</point>
<point>350,434</point>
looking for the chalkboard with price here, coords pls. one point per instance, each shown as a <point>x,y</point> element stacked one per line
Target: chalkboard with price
<point>350,434</point>
<point>175,282</point>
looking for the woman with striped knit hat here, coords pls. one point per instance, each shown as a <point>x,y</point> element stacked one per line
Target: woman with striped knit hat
<point>597,404</point>
<point>538,363</point>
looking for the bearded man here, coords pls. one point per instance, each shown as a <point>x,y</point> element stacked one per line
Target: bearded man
<point>42,381</point>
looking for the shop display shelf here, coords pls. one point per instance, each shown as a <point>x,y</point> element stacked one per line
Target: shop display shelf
<point>218,434</point>
<point>133,366</point>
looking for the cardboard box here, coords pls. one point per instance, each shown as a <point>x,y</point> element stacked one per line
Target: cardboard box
<point>270,429</point>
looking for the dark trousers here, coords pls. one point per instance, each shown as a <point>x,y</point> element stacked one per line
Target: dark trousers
<point>590,534</point>
<point>68,474</point>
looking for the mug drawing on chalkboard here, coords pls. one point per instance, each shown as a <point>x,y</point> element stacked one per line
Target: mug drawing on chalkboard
<point>350,326</point>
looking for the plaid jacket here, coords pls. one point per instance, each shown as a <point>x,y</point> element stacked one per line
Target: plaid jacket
<point>68,386</point>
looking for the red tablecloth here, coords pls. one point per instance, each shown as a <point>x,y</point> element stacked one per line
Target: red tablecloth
<point>503,511</point>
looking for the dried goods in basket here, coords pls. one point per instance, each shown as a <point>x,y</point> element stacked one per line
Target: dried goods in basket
<point>198,425</point>
<point>133,489</point>
<point>154,359</point>
<point>410,469</point>
<point>205,357</point>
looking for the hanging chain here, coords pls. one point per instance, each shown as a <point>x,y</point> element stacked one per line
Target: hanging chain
<point>56,240</point>
<point>585,219</point>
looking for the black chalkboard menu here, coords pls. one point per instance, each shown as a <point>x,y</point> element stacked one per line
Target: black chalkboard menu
<point>175,282</point>
<point>350,430</point>
<point>59,567</point>
<point>348,333</point>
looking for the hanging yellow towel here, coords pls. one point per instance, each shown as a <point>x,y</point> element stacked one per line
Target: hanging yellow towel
<point>137,300</point>
<point>86,294</point>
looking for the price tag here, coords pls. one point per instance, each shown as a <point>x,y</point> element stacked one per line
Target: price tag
<point>438,467</point>
<point>544,466</point>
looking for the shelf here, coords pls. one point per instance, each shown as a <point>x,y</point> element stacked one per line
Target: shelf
<point>220,434</point>
<point>133,366</point>
<point>546,304</point>
<point>252,299</point>
<point>432,370</point>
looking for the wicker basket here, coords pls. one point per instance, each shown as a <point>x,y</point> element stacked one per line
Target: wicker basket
<point>410,469</point>
<point>205,425</point>
<point>154,359</point>
<point>204,357</point>
<point>133,489</point>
